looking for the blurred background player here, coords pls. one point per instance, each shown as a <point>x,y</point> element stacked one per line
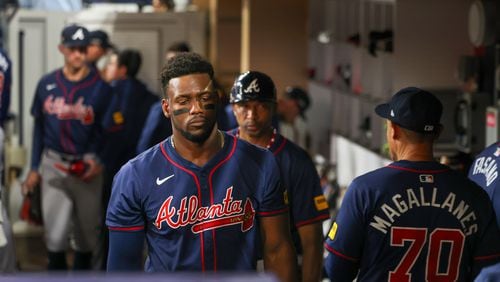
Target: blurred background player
<point>204,200</point>
<point>161,6</point>
<point>156,128</point>
<point>414,219</point>
<point>68,107</point>
<point>98,47</point>
<point>122,125</point>
<point>291,113</point>
<point>253,98</point>
<point>176,48</point>
<point>7,250</point>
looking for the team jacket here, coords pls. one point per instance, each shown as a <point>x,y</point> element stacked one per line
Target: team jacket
<point>68,115</point>
<point>412,221</point>
<point>156,128</point>
<point>198,218</point>
<point>484,171</point>
<point>125,120</point>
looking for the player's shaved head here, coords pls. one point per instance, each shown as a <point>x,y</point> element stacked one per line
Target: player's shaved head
<point>184,64</point>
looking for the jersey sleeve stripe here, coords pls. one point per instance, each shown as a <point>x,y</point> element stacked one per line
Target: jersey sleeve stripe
<point>417,170</point>
<point>131,228</point>
<point>271,213</point>
<point>333,251</point>
<point>312,220</point>
<point>487,257</point>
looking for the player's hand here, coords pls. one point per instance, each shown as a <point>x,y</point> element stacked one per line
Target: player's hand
<point>32,180</point>
<point>94,169</point>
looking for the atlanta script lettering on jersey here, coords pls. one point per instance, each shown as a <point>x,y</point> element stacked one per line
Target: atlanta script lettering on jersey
<point>79,111</point>
<point>229,212</point>
<point>486,166</point>
<point>416,198</point>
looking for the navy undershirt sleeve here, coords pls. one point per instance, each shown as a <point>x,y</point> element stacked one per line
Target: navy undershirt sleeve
<point>37,148</point>
<point>125,251</point>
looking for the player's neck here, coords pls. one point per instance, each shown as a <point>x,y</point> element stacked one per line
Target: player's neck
<point>265,140</point>
<point>198,153</point>
<point>75,74</point>
<point>417,153</point>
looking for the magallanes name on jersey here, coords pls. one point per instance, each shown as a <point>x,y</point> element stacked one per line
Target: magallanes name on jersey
<point>417,198</point>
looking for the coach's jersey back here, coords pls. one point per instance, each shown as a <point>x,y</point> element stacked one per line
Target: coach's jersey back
<point>484,171</point>
<point>414,221</point>
<point>198,218</point>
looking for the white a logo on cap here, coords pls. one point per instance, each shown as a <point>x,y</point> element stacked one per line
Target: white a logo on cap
<point>428,127</point>
<point>78,35</point>
<point>392,113</point>
<point>253,87</point>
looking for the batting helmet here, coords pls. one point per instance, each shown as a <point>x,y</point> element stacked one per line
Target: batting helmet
<point>253,85</point>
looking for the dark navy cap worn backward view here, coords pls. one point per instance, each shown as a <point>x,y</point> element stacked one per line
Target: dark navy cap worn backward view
<point>414,109</point>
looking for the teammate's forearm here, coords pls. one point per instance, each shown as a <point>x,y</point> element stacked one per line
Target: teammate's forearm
<point>311,239</point>
<point>312,263</point>
<point>37,148</point>
<point>282,261</point>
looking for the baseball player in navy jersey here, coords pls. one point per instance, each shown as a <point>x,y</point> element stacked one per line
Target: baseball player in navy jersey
<point>484,171</point>
<point>416,219</point>
<point>7,250</point>
<point>68,109</point>
<point>253,98</point>
<point>204,200</point>
<point>123,123</point>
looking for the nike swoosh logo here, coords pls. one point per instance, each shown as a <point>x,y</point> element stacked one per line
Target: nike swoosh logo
<point>161,181</point>
<point>50,86</point>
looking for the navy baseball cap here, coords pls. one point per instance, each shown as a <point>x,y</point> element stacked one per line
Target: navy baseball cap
<point>75,36</point>
<point>300,96</point>
<point>414,109</point>
<point>101,38</point>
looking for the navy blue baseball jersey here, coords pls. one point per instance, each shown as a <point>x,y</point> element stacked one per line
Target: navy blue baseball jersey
<point>412,221</point>
<point>301,181</point>
<point>156,128</point>
<point>5,85</point>
<point>484,171</point>
<point>124,121</point>
<point>489,274</point>
<point>69,115</point>
<point>197,218</point>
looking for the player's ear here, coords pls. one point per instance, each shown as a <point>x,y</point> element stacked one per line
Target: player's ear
<point>61,48</point>
<point>165,106</point>
<point>393,130</point>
